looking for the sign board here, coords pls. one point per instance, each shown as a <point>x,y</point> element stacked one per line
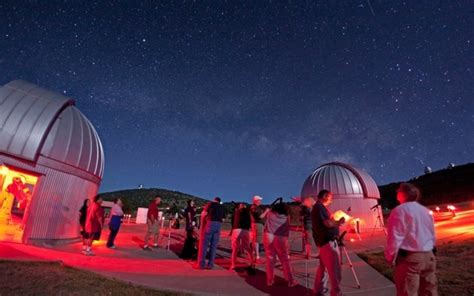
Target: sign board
<point>141,215</point>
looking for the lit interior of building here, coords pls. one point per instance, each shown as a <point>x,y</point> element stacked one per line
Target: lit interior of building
<point>15,197</point>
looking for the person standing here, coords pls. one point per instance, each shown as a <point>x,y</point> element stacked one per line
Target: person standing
<point>256,234</point>
<point>325,235</point>
<point>82,222</point>
<point>153,223</point>
<point>116,214</point>
<point>308,240</point>
<point>189,247</point>
<point>211,221</point>
<point>411,244</point>
<point>275,239</point>
<point>94,223</point>
<point>240,235</point>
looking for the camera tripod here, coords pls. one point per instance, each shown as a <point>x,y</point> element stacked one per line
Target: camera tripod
<point>342,249</point>
<point>378,222</point>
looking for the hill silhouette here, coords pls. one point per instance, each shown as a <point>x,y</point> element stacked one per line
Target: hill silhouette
<point>174,201</point>
<point>135,198</point>
<point>451,185</point>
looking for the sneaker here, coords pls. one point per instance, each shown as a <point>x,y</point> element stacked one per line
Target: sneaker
<point>155,245</point>
<point>84,252</point>
<point>112,247</point>
<point>90,253</point>
<point>146,247</point>
<point>197,266</point>
<point>292,283</point>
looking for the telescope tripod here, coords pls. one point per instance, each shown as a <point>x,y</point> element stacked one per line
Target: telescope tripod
<point>378,222</point>
<point>342,249</point>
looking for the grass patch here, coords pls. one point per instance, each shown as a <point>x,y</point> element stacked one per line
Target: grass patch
<point>454,270</point>
<point>53,278</point>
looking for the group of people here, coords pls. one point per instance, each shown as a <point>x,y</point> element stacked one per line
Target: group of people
<point>91,219</point>
<point>410,245</point>
<point>410,239</point>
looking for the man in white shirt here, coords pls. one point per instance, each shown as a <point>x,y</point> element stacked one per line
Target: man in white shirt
<point>410,244</point>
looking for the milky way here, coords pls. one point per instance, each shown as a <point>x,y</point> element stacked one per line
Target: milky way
<point>243,98</point>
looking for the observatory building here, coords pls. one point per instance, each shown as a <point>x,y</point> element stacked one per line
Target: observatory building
<point>51,160</point>
<point>355,193</point>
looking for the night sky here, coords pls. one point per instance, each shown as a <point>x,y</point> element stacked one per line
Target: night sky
<point>244,98</point>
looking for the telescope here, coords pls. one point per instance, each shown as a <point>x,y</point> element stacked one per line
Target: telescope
<point>279,199</point>
<point>340,239</point>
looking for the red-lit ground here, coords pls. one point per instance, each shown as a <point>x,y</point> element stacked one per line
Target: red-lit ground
<point>459,227</point>
<point>163,269</point>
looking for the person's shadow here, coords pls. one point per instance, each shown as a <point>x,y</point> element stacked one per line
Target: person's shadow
<point>258,279</point>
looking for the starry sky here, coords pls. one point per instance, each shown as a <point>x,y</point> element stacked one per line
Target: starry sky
<point>248,97</point>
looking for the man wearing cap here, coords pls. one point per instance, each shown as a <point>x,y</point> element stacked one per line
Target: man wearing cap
<point>211,220</point>
<point>410,244</point>
<point>257,214</point>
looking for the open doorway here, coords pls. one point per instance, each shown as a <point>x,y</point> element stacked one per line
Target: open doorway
<point>16,190</point>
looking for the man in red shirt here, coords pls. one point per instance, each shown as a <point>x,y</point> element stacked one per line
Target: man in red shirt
<point>153,223</point>
<point>94,223</point>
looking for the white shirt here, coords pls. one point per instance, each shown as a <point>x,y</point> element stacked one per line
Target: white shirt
<point>116,210</point>
<point>410,227</point>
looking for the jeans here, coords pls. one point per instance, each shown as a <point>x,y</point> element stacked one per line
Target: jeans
<point>209,239</point>
<point>112,235</point>
<point>329,265</point>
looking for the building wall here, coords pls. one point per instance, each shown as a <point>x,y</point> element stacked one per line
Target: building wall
<point>57,197</point>
<point>360,208</point>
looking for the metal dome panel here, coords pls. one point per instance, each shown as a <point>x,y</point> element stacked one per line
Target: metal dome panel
<point>343,180</point>
<point>34,122</point>
<point>74,141</point>
<point>26,114</point>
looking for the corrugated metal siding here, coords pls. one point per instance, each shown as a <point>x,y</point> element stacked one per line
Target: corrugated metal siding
<point>26,113</point>
<point>34,121</point>
<point>55,212</point>
<point>57,198</point>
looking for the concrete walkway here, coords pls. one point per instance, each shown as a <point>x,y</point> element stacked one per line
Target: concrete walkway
<point>162,269</point>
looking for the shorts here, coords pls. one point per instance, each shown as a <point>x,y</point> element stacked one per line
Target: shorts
<point>153,228</point>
